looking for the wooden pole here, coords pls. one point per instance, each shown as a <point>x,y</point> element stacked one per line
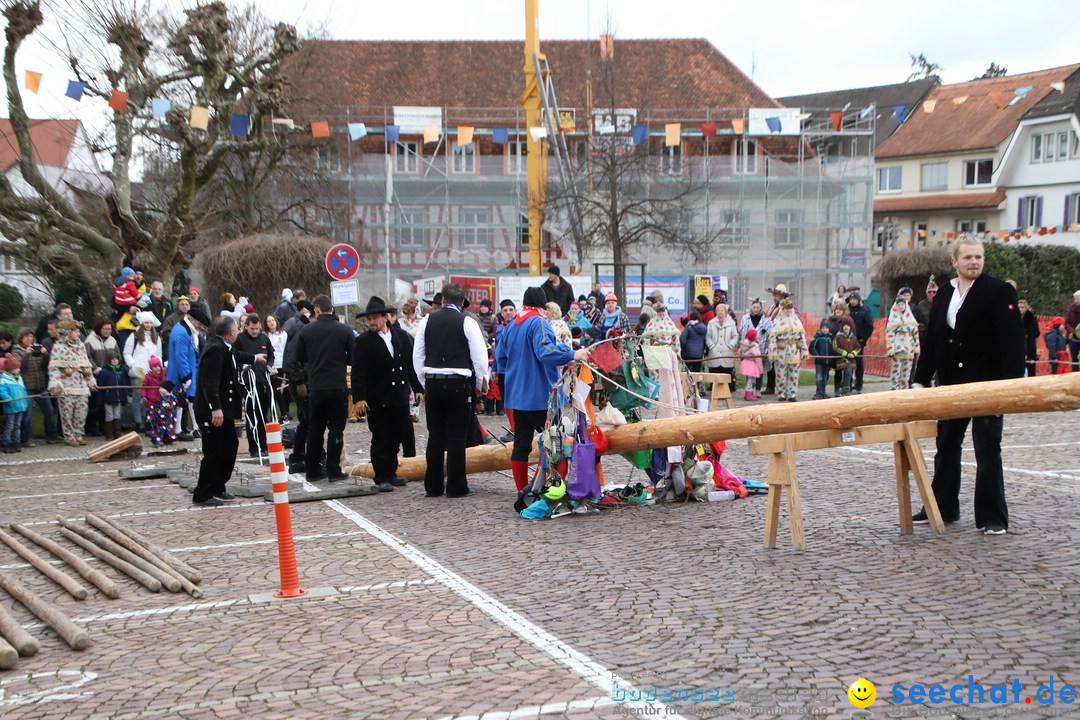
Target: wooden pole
<point>143,553</point>
<point>167,581</point>
<point>150,583</point>
<point>8,655</point>
<point>99,580</point>
<point>25,643</point>
<point>179,565</point>
<point>58,576</point>
<point>1046,393</point>
<point>76,637</point>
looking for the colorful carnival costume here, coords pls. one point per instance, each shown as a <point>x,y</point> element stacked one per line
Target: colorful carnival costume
<point>901,344</point>
<point>787,349</point>
<point>71,380</point>
<point>160,404</point>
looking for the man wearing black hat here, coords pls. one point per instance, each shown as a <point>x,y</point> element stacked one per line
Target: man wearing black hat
<point>382,375</point>
<point>557,290</point>
<point>324,347</point>
<point>435,303</point>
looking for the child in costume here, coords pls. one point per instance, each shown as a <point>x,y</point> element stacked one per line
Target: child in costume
<point>846,346</point>
<point>160,404</point>
<point>787,349</point>
<point>821,349</point>
<point>750,364</point>
<point>1057,348</point>
<point>901,344</point>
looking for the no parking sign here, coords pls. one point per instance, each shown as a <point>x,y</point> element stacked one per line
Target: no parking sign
<point>342,261</point>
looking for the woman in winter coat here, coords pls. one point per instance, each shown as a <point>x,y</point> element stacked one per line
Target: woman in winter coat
<point>787,349</point>
<point>35,373</point>
<point>756,318</point>
<point>901,344</point>
<point>139,348</point>
<point>71,380</point>
<point>1031,335</point>
<point>100,343</point>
<point>692,341</point>
<point>721,342</point>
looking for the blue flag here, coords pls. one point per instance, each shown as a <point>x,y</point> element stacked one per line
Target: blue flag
<point>774,124</point>
<point>500,136</point>
<point>866,111</point>
<point>160,106</point>
<point>357,131</point>
<point>901,113</point>
<point>239,125</point>
<point>393,132</point>
<point>639,134</point>
<point>75,90</point>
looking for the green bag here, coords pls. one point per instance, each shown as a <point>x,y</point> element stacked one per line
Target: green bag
<point>641,459</point>
<point>633,378</point>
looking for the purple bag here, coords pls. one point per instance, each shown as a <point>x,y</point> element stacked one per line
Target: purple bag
<point>583,480</point>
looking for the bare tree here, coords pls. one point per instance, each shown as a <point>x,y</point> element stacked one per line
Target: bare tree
<point>924,69</point>
<point>208,57</point>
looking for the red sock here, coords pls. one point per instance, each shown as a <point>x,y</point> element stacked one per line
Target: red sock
<point>510,417</point>
<point>520,468</point>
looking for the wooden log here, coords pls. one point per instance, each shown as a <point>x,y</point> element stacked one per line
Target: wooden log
<point>76,637</point>
<point>99,579</point>
<point>23,642</point>
<point>167,581</point>
<point>150,583</point>
<point>179,565</point>
<point>1046,393</point>
<point>8,655</point>
<point>134,547</point>
<point>58,576</point>
<point>106,451</point>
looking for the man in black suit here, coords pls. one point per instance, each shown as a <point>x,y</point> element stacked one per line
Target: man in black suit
<point>218,403</point>
<point>382,375</point>
<point>974,334</point>
<point>254,341</point>
<point>324,348</point>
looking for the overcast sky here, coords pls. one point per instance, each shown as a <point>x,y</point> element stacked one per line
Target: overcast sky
<point>788,46</point>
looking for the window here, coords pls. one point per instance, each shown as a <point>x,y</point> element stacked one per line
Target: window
<point>739,292</point>
<point>1036,148</point>
<point>789,232</point>
<point>1075,145</point>
<point>1029,212</point>
<point>1072,209</point>
<point>475,229</point>
<point>971,227</point>
<point>581,154</point>
<point>745,156</point>
<point>934,176</point>
<point>523,230</point>
<point>888,179</point>
<point>327,158</point>
<point>978,172</point>
<point>1048,146</point>
<point>734,231</point>
<point>406,157</point>
<point>671,159</point>
<point>517,154</point>
<point>1063,145</point>
<point>464,158</point>
<point>412,230</point>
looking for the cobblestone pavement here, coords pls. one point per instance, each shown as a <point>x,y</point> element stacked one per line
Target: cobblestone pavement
<point>439,608</point>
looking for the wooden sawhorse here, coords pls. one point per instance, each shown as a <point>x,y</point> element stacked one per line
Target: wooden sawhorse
<point>720,388</point>
<point>907,457</point>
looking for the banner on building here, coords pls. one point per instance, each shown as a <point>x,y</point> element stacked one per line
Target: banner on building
<point>674,288</point>
<point>703,285</point>
<point>411,120</point>
<point>853,258</point>
<point>512,287</point>
<point>568,120</point>
<point>425,288</point>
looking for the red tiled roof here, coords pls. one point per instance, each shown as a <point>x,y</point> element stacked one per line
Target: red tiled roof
<point>329,76</point>
<point>52,141</point>
<point>939,202</point>
<point>975,124</point>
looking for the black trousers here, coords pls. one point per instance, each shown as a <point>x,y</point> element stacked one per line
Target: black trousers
<point>990,504</point>
<point>327,412</point>
<point>449,418</point>
<point>219,446</point>
<point>256,421</point>
<point>859,367</point>
<point>299,448</point>
<point>526,424</point>
<point>387,425</point>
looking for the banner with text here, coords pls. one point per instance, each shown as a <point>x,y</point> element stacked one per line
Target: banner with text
<point>674,288</point>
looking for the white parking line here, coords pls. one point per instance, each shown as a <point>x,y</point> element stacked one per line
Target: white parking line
<point>591,671</point>
<point>535,710</point>
<point>86,492</point>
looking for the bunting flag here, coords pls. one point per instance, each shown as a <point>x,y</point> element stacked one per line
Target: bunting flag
<point>929,106</point>
<point>238,125</point>
<point>605,129</point>
<point>959,99</point>
<point>866,111</point>
<point>708,129</point>
<point>500,136</point>
<point>393,132</point>
<point>33,81</point>
<point>200,117</point>
<point>607,47</point>
<point>538,133</point>
<point>672,134</point>
<point>999,99</point>
<point>1001,234</point>
<point>75,90</point>
<point>431,134</point>
<point>357,131</point>
<point>288,123</point>
<point>1021,92</point>
<point>1059,86</point>
<point>837,119</point>
<point>639,133</point>
<point>320,129</point>
<point>118,101</point>
<point>160,107</point>
<point>464,135</point>
<point>774,124</point>
<point>737,125</point>
<point>900,111</point>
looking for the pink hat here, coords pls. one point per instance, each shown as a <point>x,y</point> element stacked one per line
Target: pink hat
<point>155,361</point>
<point>193,289</point>
<point>11,363</point>
<point>611,296</point>
<point>751,334</point>
<point>249,308</point>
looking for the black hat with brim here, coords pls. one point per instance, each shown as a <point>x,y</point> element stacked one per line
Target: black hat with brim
<point>376,306</point>
<point>436,300</point>
<point>196,313</point>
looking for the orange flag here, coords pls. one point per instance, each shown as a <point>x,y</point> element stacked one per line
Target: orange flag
<point>837,118</point>
<point>737,126</point>
<point>672,134</point>
<point>320,129</point>
<point>33,81</point>
<point>118,101</point>
<point>999,99</point>
<point>464,135</point>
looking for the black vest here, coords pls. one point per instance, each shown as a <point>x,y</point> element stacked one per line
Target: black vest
<point>445,342</point>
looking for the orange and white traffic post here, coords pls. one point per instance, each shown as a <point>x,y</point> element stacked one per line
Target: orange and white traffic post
<point>279,477</point>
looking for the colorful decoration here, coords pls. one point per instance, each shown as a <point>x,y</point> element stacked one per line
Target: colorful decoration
<point>75,90</point>
<point>639,134</point>
<point>357,131</point>
<point>118,101</point>
<point>200,117</point>
<point>33,81</point>
<point>431,134</point>
<point>837,119</point>
<point>393,132</point>
<point>500,136</point>
<point>999,99</point>
<point>929,105</point>
<point>672,134</point>
<point>159,107</point>
<point>708,129</point>
<point>238,125</point>
<point>900,111</point>
<point>320,129</point>
<point>774,124</point>
<point>464,135</point>
<point>737,125</point>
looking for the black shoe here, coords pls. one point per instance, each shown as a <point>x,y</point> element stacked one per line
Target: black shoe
<point>427,494</point>
<point>338,478</point>
<point>315,477</point>
<point>920,518</point>
<point>399,481</point>
<point>185,437</point>
<point>54,441</point>
<point>296,469</point>
<point>384,487</point>
<point>208,502</point>
<point>470,491</point>
<point>225,495</point>
<point>507,438</point>
<point>994,529</point>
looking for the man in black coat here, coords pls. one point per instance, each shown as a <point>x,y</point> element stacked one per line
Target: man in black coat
<point>382,376</point>
<point>296,373</point>
<point>325,349</point>
<point>864,328</point>
<point>557,290</point>
<point>254,341</point>
<point>974,335</point>
<point>218,403</point>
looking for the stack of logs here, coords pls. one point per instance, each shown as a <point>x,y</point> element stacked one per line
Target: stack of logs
<point>118,546</point>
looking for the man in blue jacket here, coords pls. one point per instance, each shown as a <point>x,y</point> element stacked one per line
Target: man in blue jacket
<point>184,346</point>
<point>529,359</point>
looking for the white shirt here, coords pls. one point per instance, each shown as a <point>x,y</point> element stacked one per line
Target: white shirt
<point>955,302</point>
<point>388,340</point>
<point>474,335</point>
